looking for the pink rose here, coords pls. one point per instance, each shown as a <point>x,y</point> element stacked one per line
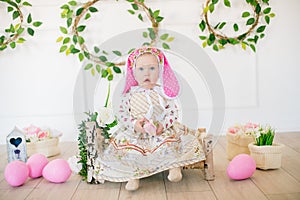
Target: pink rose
<point>251,125</point>
<point>150,128</point>
<point>32,130</point>
<point>233,130</point>
<point>43,134</point>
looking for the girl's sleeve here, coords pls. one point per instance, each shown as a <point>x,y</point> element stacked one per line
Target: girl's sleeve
<point>171,115</point>
<point>124,116</point>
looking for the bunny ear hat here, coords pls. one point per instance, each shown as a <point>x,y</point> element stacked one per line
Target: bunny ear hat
<point>170,83</point>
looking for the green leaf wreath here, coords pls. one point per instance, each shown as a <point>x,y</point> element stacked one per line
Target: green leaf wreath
<point>14,33</point>
<point>72,41</point>
<point>256,21</point>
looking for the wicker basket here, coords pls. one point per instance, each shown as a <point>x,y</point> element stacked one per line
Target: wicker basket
<point>266,157</point>
<point>237,144</point>
<point>47,147</point>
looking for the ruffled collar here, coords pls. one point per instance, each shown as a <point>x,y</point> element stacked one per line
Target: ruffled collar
<point>157,88</point>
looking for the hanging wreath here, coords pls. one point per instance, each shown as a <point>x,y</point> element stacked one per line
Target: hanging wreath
<point>74,43</point>
<point>256,23</point>
<point>13,34</point>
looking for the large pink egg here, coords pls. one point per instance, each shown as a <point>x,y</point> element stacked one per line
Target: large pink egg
<point>16,173</point>
<point>57,171</point>
<point>241,167</point>
<point>36,164</point>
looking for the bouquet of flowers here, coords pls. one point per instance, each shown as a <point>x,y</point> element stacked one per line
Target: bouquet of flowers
<point>42,140</point>
<point>35,134</point>
<point>266,154</point>
<point>238,138</point>
<point>105,120</point>
<point>244,129</point>
<point>264,136</point>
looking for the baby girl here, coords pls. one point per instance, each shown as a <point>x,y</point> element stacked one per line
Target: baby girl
<point>150,138</point>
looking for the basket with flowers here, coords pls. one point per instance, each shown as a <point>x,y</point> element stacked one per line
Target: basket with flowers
<point>264,151</point>
<point>238,137</point>
<point>42,140</point>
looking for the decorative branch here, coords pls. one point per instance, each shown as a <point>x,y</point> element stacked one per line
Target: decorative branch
<point>73,42</point>
<point>14,32</point>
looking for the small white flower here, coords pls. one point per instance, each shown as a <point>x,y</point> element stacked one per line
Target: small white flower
<point>105,116</point>
<point>34,139</point>
<point>257,135</point>
<point>74,165</point>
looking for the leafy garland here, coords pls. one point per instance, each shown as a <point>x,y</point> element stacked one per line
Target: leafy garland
<point>15,31</point>
<point>82,146</point>
<point>218,40</point>
<point>74,43</point>
<point>82,140</point>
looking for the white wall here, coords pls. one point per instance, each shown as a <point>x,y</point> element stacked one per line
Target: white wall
<point>37,82</point>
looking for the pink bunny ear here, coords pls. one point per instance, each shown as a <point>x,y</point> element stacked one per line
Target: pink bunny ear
<point>130,80</point>
<point>170,82</point>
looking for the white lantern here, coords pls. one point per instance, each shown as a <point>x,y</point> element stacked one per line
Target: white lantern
<point>16,146</point>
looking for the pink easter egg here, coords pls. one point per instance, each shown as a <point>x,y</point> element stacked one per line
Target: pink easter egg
<point>241,167</point>
<point>36,164</point>
<point>16,173</point>
<point>57,171</point>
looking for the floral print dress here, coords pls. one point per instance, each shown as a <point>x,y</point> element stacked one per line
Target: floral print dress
<point>132,155</point>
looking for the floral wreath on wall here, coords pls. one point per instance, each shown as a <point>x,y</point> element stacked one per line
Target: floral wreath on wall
<point>73,42</point>
<point>14,34</point>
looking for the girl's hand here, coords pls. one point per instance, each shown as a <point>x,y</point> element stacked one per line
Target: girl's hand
<point>159,129</point>
<point>138,127</point>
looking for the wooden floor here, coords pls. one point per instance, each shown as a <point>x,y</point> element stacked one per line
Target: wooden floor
<point>280,184</point>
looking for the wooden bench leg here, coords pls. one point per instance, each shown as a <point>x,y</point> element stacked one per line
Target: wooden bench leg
<point>209,173</point>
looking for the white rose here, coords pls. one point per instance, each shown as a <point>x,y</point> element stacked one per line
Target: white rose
<point>105,116</point>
